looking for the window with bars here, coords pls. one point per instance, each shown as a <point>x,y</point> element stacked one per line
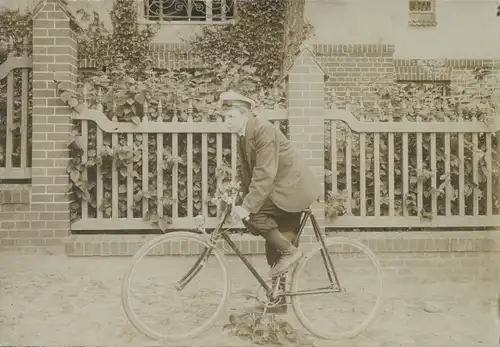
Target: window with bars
<point>422,13</point>
<point>210,11</point>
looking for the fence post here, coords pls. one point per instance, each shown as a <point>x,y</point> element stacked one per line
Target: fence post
<point>54,58</point>
<point>306,83</point>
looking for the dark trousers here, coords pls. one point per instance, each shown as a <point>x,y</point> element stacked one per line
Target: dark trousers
<point>270,217</point>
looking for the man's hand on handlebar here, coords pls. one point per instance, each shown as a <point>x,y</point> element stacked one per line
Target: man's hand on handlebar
<point>239,213</point>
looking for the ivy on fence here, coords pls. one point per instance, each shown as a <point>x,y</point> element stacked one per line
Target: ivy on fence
<point>15,39</point>
<point>128,94</point>
<point>474,98</point>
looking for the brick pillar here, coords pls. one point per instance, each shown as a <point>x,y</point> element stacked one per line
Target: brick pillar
<point>306,122</point>
<point>54,58</point>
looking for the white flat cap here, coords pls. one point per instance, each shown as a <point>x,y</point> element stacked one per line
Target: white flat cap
<point>232,98</point>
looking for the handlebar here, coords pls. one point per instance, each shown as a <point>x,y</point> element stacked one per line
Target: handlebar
<point>200,220</point>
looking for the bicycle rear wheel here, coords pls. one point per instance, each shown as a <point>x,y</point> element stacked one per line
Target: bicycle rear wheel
<point>184,313</point>
<point>347,312</point>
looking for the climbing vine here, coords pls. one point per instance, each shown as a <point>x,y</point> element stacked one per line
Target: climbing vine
<point>15,30</point>
<point>475,98</point>
<point>244,56</point>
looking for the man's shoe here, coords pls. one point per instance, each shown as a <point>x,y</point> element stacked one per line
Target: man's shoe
<point>285,262</point>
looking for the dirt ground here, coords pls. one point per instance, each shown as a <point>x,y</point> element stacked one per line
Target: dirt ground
<point>60,301</point>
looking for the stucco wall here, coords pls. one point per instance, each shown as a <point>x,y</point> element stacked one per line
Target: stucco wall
<point>465,29</point>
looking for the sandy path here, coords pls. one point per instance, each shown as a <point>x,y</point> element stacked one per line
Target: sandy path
<point>56,300</point>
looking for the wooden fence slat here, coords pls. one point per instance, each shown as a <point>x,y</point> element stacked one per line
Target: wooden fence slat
<point>130,180</point>
<point>85,149</point>
<point>362,169</point>
<point>390,168</point>
<point>411,127</point>
<point>475,171</point>
<point>333,155</point>
<point>190,167</point>
<point>348,172</point>
<point>159,165</point>
<point>489,177</point>
<point>420,182</point>
<point>204,173</point>
<point>24,117</point>
<point>175,172</point>
<point>234,156</point>
<point>406,189</point>
<point>114,173</point>
<point>461,174</point>
<point>219,161</point>
<point>376,174</point>
<point>145,163</point>
<point>13,63</point>
<point>447,169</point>
<point>109,126</point>
<point>100,188</point>
<point>99,144</point>
<point>9,148</point>
<point>434,194</point>
<point>346,222</point>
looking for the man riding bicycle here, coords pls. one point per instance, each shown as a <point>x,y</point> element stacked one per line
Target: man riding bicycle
<point>277,185</point>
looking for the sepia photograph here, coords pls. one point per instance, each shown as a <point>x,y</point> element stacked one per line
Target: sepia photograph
<point>246,173</point>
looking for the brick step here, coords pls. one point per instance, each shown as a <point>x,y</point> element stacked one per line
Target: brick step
<point>442,242</point>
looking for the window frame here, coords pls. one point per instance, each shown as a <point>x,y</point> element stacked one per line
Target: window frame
<point>188,21</point>
<point>422,18</point>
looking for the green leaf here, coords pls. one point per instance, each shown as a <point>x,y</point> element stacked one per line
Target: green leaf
<point>73,102</point>
<point>66,96</point>
<point>164,223</point>
<point>75,175</point>
<point>80,108</point>
<point>138,196</point>
<point>136,120</point>
<point>140,98</point>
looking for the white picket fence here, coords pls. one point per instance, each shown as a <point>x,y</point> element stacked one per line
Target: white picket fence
<point>364,204</point>
<point>482,212</point>
<point>14,117</point>
<point>158,129</point>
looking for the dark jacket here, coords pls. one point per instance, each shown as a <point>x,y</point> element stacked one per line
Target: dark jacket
<point>271,167</point>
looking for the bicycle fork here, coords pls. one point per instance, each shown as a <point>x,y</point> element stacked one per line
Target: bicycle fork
<point>188,277</point>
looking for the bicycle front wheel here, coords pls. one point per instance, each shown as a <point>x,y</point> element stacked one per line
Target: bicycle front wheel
<point>337,311</point>
<point>157,298</point>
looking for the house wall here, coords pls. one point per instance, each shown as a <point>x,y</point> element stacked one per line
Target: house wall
<point>466,29</point>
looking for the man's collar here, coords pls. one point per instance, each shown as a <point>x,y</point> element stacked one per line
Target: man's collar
<point>242,132</point>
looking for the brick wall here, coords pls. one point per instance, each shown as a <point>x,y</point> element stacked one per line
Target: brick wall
<point>165,56</point>
<point>44,219</point>
<point>16,218</point>
<point>351,67</point>
<point>306,91</point>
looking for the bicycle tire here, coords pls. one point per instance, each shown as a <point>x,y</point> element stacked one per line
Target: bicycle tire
<point>139,255</point>
<point>371,316</point>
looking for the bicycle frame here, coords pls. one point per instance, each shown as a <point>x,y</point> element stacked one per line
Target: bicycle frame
<point>219,233</point>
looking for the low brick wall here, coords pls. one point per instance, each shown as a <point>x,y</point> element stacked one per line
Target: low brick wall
<point>16,217</point>
<point>24,229</point>
<point>382,242</point>
<point>422,256</point>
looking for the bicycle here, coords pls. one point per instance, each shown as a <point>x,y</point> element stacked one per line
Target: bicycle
<point>272,293</point>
